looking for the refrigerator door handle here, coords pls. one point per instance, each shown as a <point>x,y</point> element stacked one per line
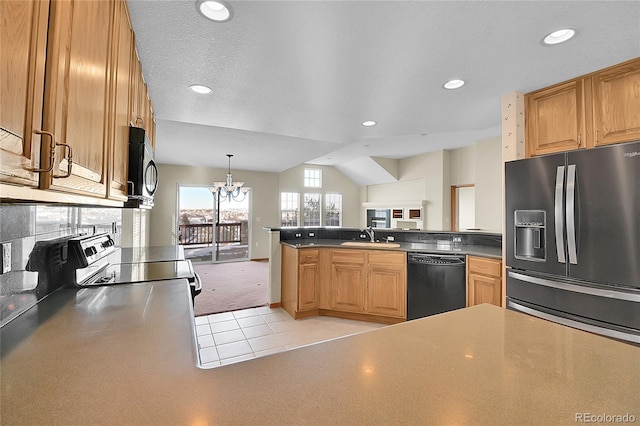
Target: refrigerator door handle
<point>571,214</point>
<point>600,292</point>
<point>575,324</point>
<point>558,214</point>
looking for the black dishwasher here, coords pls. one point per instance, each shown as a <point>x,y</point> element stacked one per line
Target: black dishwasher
<point>435,284</point>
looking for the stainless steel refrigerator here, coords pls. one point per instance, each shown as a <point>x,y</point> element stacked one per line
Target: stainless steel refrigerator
<point>573,239</point>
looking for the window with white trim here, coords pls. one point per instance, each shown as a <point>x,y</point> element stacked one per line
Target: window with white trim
<point>313,178</point>
<point>289,208</point>
<point>311,210</point>
<point>333,209</point>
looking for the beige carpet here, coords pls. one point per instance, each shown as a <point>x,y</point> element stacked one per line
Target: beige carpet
<point>232,286</point>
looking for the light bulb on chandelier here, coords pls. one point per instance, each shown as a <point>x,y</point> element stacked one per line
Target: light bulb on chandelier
<point>229,190</point>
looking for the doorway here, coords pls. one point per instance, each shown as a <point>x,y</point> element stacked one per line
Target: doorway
<point>233,226</point>
<point>463,207</point>
<point>211,230</point>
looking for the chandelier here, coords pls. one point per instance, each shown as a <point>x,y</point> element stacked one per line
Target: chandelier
<point>229,190</point>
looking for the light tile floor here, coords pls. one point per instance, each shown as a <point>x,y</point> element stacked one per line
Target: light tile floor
<point>249,333</point>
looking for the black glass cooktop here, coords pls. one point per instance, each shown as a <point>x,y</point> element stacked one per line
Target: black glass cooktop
<point>123,273</point>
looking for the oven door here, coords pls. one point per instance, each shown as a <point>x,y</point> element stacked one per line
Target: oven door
<point>609,311</point>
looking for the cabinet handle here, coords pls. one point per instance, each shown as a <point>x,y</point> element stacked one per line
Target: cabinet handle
<point>69,158</point>
<point>596,136</point>
<point>139,119</point>
<point>52,152</point>
<point>579,139</point>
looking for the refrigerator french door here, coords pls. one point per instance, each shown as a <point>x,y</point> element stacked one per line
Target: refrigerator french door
<point>573,238</point>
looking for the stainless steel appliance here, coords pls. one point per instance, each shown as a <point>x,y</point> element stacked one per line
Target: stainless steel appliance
<point>143,173</point>
<point>573,239</point>
<point>435,284</point>
<point>379,218</point>
<point>94,260</point>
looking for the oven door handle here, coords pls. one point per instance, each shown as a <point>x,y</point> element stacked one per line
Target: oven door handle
<point>198,287</point>
<point>574,324</point>
<point>612,294</point>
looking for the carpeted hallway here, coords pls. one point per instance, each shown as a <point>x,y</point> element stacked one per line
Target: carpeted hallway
<point>232,286</point>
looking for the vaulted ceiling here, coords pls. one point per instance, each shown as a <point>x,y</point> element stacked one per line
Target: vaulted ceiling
<point>293,80</point>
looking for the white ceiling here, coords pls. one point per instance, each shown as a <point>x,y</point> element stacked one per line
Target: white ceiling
<point>293,80</point>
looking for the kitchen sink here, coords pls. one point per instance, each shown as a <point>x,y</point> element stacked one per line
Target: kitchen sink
<point>370,244</point>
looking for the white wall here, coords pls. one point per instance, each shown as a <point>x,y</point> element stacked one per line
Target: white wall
<point>422,177</point>
<point>264,202</point>
<point>488,182</point>
<point>430,176</point>
<point>333,181</point>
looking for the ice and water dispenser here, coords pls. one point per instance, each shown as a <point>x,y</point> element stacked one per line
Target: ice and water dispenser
<point>530,235</point>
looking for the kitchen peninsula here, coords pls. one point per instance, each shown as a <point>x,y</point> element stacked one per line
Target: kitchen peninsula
<point>125,355</point>
<point>372,275</point>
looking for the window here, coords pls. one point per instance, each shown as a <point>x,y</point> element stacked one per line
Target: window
<point>313,178</point>
<point>311,210</point>
<point>289,208</point>
<point>333,209</point>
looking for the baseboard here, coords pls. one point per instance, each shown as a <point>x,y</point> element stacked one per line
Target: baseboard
<point>275,305</point>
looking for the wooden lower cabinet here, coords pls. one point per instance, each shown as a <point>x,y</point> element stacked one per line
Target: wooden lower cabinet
<point>387,292</point>
<point>348,280</point>
<point>309,286</point>
<point>358,284</point>
<point>387,278</point>
<point>484,282</point>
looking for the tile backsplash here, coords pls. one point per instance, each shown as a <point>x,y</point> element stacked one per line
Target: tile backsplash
<point>22,226</point>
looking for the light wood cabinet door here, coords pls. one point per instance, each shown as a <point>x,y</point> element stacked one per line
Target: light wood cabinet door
<point>484,289</point>
<point>484,282</point>
<point>23,43</point>
<point>387,290</point>
<point>616,104</point>
<point>122,54</point>
<point>308,279</point>
<point>308,287</point>
<point>348,280</point>
<point>348,287</point>
<point>76,93</point>
<point>555,119</point>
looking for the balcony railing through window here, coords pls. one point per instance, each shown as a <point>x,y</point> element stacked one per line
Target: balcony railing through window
<point>202,233</point>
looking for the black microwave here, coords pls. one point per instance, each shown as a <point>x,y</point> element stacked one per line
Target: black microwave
<point>143,172</point>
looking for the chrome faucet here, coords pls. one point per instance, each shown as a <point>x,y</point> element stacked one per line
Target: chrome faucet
<point>370,234</point>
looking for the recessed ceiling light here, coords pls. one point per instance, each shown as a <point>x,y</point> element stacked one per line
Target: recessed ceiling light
<point>368,123</point>
<point>218,10</point>
<point>559,36</point>
<point>198,88</point>
<point>453,84</point>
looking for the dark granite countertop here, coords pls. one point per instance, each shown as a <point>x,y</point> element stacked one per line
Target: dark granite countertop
<point>432,248</point>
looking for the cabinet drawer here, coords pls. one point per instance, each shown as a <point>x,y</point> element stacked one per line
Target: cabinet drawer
<point>387,257</point>
<point>348,256</point>
<point>308,256</point>
<point>485,266</point>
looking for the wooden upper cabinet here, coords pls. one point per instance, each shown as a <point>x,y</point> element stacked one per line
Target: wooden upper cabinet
<point>555,119</point>
<point>600,108</point>
<point>616,104</point>
<point>23,43</point>
<point>122,55</point>
<point>77,95</point>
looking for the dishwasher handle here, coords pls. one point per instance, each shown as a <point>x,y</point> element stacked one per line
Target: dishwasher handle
<point>429,259</point>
